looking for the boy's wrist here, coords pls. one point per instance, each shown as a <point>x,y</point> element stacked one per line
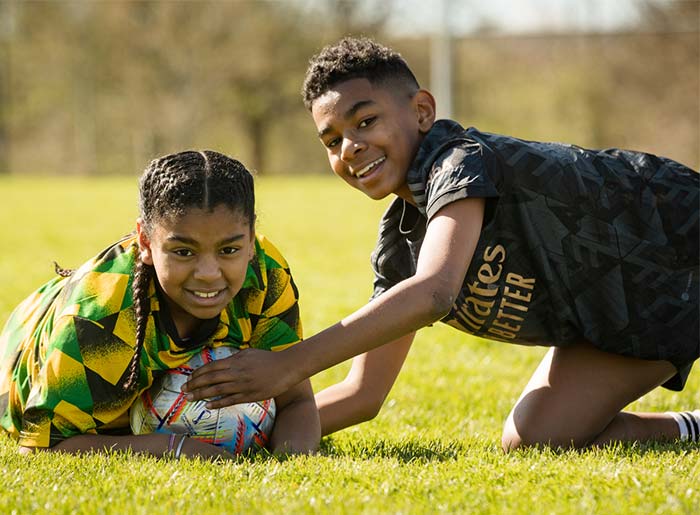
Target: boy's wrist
<point>301,361</point>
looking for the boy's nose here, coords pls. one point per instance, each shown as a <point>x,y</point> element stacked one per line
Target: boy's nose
<point>351,147</point>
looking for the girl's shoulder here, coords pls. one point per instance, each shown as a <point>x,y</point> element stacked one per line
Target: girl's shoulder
<point>269,253</point>
<point>102,285</point>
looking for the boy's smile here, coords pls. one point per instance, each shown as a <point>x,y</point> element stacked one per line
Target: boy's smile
<point>372,133</point>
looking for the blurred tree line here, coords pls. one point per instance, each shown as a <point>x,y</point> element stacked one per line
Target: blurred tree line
<point>90,87</point>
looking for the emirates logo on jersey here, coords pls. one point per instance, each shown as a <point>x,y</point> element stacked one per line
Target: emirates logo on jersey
<point>496,305</point>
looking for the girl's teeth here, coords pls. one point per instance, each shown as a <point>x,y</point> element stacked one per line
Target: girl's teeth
<point>206,295</point>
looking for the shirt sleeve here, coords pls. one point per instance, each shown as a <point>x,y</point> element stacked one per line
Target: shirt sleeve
<point>391,258</point>
<point>457,173</point>
<point>78,388</point>
<point>279,325</point>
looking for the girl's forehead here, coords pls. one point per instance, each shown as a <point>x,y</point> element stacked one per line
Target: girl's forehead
<point>198,220</point>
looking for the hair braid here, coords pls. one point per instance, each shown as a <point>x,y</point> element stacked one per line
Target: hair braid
<point>142,307</point>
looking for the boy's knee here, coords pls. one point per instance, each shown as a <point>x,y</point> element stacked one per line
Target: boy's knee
<point>521,436</point>
<point>536,433</point>
<point>510,438</point>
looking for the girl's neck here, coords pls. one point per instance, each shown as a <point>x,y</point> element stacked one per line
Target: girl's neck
<point>184,331</point>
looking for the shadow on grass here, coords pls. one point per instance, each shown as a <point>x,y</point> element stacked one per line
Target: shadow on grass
<point>614,449</point>
<point>410,451</point>
<point>402,450</point>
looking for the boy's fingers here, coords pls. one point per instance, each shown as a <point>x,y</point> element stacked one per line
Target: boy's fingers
<point>212,378</point>
<point>222,402</point>
<point>238,378</point>
<point>215,392</point>
<point>219,364</point>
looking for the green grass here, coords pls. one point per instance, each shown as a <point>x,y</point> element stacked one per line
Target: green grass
<point>434,447</point>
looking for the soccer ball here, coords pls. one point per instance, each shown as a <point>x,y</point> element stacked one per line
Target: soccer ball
<point>163,409</point>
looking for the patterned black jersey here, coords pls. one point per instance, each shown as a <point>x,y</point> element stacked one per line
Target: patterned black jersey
<point>576,243</point>
<point>65,350</point>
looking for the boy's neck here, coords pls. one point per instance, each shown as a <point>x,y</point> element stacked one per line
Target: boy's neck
<point>405,193</point>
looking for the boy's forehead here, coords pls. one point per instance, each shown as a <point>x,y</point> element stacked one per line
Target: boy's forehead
<point>347,91</point>
<point>346,98</point>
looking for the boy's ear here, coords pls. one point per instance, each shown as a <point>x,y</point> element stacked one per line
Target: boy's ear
<point>144,243</point>
<point>424,104</point>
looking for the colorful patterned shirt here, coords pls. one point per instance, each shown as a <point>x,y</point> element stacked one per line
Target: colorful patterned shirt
<point>65,350</point>
<point>600,245</point>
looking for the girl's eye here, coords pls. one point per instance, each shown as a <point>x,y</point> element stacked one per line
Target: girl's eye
<point>367,122</point>
<point>183,252</point>
<point>332,143</point>
<point>229,250</point>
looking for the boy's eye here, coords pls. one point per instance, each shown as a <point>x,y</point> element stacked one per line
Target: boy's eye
<point>183,252</point>
<point>332,143</point>
<point>367,122</point>
<point>229,250</point>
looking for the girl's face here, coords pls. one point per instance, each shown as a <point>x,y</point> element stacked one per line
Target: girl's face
<point>200,260</point>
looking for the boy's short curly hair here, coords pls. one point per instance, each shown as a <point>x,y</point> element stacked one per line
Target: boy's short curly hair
<point>355,58</point>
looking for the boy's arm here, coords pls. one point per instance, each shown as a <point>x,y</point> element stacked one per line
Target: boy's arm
<point>447,250</point>
<point>297,428</point>
<point>360,396</point>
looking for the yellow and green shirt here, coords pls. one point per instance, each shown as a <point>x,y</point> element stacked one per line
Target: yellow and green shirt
<point>65,350</point>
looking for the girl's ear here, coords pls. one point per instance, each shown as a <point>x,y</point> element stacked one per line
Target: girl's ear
<point>144,243</point>
<point>424,104</point>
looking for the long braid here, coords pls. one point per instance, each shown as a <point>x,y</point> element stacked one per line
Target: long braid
<point>169,187</point>
<point>142,309</point>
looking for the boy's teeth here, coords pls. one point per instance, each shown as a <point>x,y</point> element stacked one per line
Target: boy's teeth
<point>206,295</point>
<point>369,167</point>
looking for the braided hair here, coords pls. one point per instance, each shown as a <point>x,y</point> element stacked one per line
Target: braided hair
<point>169,187</point>
<point>356,58</point>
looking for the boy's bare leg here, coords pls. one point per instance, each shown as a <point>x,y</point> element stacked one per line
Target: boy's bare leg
<point>576,395</point>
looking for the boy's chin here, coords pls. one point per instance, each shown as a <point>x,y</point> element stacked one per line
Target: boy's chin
<point>376,195</point>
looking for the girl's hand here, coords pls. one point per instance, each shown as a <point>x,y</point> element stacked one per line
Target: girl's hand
<point>192,448</point>
<point>248,376</point>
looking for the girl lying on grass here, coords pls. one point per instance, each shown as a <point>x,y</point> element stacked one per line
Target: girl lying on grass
<point>76,354</point>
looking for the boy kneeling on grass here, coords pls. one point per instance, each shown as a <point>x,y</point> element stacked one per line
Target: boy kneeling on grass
<point>593,253</point>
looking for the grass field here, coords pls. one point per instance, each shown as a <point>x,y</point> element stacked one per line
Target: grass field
<point>434,448</point>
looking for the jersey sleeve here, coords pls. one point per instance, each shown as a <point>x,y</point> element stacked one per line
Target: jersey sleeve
<point>458,172</point>
<point>78,388</point>
<point>391,259</point>
<point>277,323</point>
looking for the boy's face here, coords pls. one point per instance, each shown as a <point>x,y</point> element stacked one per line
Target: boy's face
<point>372,134</point>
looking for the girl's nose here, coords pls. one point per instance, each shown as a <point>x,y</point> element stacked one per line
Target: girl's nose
<point>207,268</point>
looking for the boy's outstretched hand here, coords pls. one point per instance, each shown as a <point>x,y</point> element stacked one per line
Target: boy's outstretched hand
<point>247,376</point>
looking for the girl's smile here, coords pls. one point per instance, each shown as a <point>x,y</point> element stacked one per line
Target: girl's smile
<point>201,260</point>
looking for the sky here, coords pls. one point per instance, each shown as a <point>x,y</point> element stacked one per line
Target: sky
<point>514,16</point>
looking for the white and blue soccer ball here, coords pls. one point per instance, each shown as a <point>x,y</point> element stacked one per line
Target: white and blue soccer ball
<point>163,409</point>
